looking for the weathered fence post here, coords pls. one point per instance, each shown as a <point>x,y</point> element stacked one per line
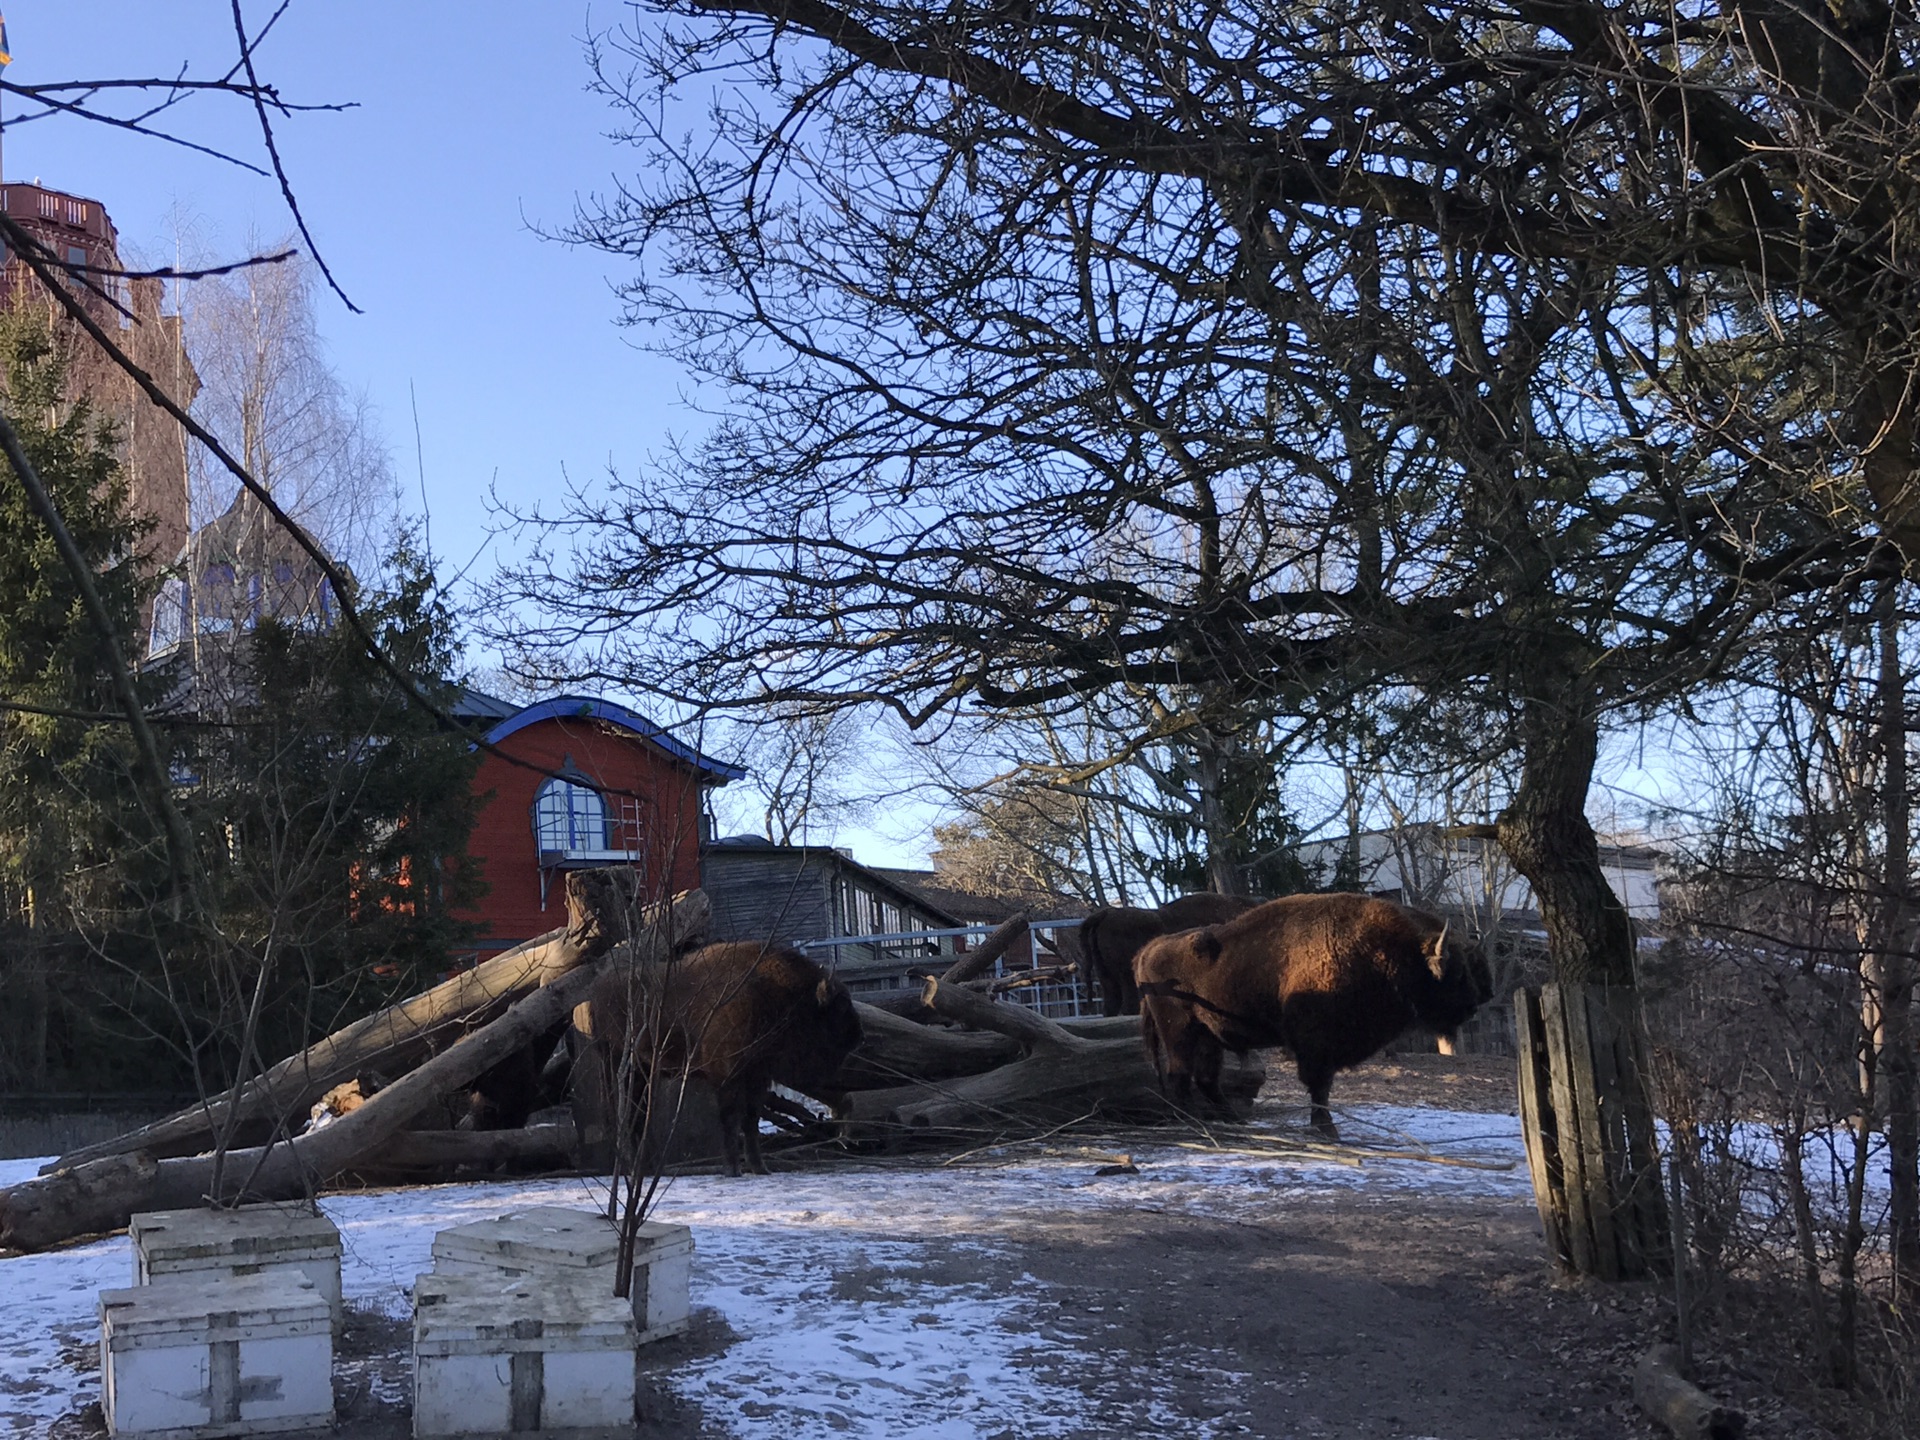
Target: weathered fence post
<point>1589,1131</point>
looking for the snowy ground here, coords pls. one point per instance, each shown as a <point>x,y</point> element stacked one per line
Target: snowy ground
<point>842,1324</point>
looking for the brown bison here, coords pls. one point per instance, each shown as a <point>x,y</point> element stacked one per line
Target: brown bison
<point>740,1016</point>
<point>1334,978</point>
<point>1112,935</point>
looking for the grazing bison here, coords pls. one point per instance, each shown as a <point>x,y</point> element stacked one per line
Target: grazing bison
<point>1334,978</point>
<point>1112,935</point>
<point>739,1016</point>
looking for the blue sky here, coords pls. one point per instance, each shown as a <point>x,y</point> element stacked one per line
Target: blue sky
<point>472,127</point>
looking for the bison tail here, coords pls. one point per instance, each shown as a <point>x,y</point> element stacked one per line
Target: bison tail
<point>1089,930</point>
<point>1150,1037</point>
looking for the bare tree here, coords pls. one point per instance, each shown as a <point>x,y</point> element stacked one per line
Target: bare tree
<point>807,772</point>
<point>1781,996</point>
<point>267,384</point>
<point>1037,400</point>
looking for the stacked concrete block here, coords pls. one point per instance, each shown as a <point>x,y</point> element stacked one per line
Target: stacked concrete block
<point>583,1245</point>
<point>215,1354</point>
<point>544,1353</point>
<point>270,1239</point>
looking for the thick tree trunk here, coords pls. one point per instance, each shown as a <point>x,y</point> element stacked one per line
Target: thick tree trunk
<point>418,1154</point>
<point>1210,767</point>
<point>1590,1103</point>
<point>1545,833</point>
<point>396,1038</point>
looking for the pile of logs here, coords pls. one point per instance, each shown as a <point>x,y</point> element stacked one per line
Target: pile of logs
<point>949,1060</point>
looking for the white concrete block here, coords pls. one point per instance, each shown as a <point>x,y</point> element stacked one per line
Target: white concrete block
<point>269,1239</point>
<point>200,1357</point>
<point>547,1353</point>
<point>578,1242</point>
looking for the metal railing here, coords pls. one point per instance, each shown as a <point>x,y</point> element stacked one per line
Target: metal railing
<point>889,962</point>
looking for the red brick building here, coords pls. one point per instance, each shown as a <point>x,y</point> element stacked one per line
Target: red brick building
<point>78,232</point>
<point>600,785</point>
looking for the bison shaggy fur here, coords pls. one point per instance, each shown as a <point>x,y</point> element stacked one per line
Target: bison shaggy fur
<point>1112,935</point>
<point>740,1016</point>
<point>1334,978</point>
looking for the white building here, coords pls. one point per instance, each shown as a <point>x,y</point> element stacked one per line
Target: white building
<point>1419,865</point>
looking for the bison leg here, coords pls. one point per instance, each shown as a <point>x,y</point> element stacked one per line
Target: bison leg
<point>1317,1075</point>
<point>732,1128</point>
<point>1208,1057</point>
<point>1167,1028</point>
<point>740,1129</point>
<point>750,1132</point>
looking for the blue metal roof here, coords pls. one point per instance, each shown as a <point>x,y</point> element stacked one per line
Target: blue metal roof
<point>581,707</point>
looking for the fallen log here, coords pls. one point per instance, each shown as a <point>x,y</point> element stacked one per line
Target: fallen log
<point>82,1201</point>
<point>31,1216</point>
<point>398,1037</point>
<point>437,1152</point>
<point>103,1194</point>
<point>1676,1403</point>
<point>893,1050</point>
<point>1061,1076</point>
<point>1028,979</point>
<point>978,962</point>
<point>1102,1027</point>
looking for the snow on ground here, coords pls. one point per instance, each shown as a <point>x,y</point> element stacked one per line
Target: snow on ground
<point>841,1324</point>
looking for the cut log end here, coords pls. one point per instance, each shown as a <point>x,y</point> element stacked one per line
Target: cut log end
<point>1680,1406</point>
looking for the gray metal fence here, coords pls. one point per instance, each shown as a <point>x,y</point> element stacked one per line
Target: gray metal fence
<point>874,965</point>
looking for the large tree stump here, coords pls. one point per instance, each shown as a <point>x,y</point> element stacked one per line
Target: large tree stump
<point>1589,1131</point>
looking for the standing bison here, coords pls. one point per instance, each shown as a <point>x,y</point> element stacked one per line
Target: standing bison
<point>742,1017</point>
<point>1334,978</point>
<point>1112,935</point>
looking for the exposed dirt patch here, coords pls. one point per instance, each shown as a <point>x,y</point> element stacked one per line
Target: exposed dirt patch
<point>1480,1083</point>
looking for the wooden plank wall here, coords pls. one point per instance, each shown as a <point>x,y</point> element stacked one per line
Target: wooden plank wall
<point>1592,1150</point>
<point>777,896</point>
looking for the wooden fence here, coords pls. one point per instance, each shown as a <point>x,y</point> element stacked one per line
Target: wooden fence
<point>1589,1129</point>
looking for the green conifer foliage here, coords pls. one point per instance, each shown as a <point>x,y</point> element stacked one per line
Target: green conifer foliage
<point>76,845</point>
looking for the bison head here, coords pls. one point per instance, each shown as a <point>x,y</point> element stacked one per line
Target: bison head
<point>839,1023</point>
<point>1462,982</point>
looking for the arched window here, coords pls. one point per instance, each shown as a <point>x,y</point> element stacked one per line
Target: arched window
<point>169,617</point>
<point>570,816</point>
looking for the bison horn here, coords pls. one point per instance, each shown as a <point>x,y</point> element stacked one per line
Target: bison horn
<point>1437,960</point>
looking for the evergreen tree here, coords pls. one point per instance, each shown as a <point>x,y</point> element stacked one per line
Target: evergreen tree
<point>334,812</point>
<point>77,849</point>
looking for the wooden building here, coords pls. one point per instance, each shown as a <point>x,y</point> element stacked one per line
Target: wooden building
<point>802,893</point>
<point>579,783</point>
